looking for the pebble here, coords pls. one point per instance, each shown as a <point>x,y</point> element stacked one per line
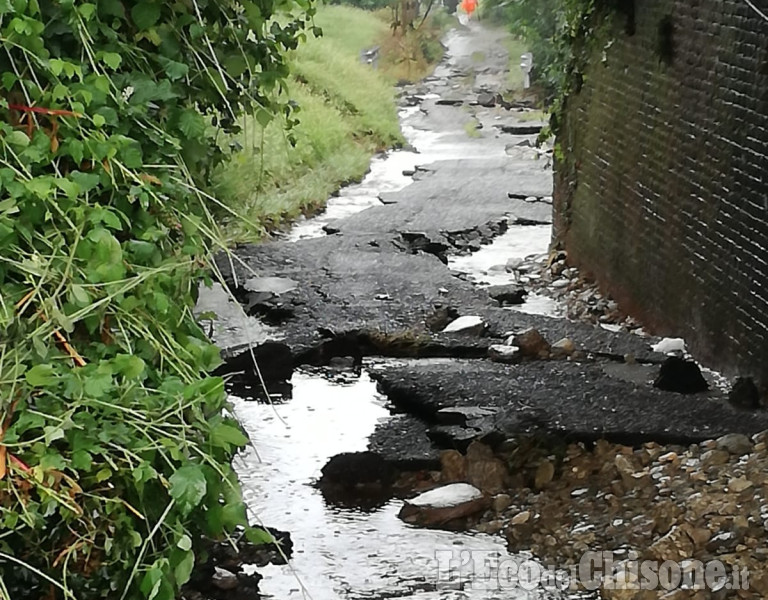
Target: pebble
<point>668,457</point>
<point>662,502</point>
<point>521,517</point>
<point>739,484</point>
<point>501,502</point>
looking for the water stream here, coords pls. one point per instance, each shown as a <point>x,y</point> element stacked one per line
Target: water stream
<point>341,552</point>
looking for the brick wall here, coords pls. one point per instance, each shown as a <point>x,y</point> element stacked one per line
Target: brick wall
<point>662,194</point>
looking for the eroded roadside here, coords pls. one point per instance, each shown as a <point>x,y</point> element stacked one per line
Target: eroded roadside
<point>554,421</point>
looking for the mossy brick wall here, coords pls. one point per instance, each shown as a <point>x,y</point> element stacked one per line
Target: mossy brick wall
<point>662,189</point>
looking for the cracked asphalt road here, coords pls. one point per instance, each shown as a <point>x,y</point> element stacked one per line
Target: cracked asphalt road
<point>377,285</point>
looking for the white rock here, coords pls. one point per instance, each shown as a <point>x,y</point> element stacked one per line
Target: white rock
<point>272,285</point>
<point>668,345</point>
<point>503,353</point>
<point>467,324</point>
<point>452,494</point>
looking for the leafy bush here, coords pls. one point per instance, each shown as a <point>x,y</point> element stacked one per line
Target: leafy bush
<point>115,448</point>
<point>555,31</point>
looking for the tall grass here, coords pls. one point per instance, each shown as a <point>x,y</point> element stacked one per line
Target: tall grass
<point>348,112</point>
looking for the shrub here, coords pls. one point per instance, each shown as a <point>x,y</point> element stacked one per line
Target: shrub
<point>114,445</point>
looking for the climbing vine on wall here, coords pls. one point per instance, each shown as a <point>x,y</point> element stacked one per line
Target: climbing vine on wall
<point>563,35</point>
<point>115,446</point>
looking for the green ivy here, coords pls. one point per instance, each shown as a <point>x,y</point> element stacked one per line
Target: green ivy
<point>115,446</point>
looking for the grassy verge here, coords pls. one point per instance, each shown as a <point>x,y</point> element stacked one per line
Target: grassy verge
<point>347,113</point>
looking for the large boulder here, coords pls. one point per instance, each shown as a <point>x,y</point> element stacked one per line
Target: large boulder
<point>357,468</point>
<point>358,480</point>
<point>447,506</point>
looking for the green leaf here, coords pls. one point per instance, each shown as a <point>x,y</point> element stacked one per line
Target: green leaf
<point>191,124</point>
<point>76,149</point>
<point>264,117</point>
<point>8,77</point>
<point>8,207</point>
<point>18,139</point>
<point>145,14</point>
<point>258,536</point>
<point>129,366</point>
<point>40,375</point>
<point>131,156</point>
<point>98,384</point>
<point>52,434</point>
<point>80,295</point>
<point>183,566</point>
<point>236,65</point>
<point>173,70</point>
<point>143,473</point>
<point>111,8</point>
<point>40,186</point>
<point>112,60</point>
<point>103,474</point>
<point>81,460</point>
<point>59,91</point>
<point>225,435</point>
<point>86,181</point>
<point>184,543</point>
<point>150,584</point>
<point>99,120</point>
<point>188,487</point>
<point>69,187</point>
<point>234,514</point>
<point>87,10</point>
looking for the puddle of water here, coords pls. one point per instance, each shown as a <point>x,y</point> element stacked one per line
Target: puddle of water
<point>231,326</point>
<point>536,304</point>
<point>486,266</point>
<point>341,553</point>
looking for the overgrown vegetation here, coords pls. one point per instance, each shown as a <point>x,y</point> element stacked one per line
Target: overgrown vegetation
<point>562,35</point>
<point>558,32</point>
<point>346,113</point>
<point>115,446</point>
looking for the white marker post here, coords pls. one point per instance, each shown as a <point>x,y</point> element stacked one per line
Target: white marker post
<point>526,65</point>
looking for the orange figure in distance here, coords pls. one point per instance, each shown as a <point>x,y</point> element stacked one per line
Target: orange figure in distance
<point>468,6</point>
